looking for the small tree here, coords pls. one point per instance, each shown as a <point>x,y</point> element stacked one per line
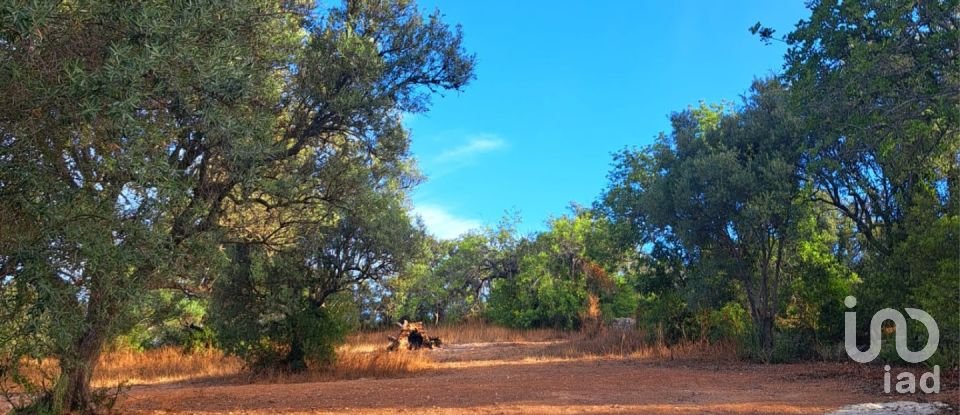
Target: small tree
<point>560,281</point>
<point>272,309</point>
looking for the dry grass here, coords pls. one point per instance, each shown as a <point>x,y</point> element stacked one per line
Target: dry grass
<point>168,365</point>
<point>163,365</point>
<point>633,344</point>
<point>364,356</point>
<point>354,365</point>
<point>129,367</point>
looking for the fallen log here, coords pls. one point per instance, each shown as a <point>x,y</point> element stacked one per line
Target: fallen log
<point>415,336</point>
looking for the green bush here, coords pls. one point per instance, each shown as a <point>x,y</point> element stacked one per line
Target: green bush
<point>665,317</point>
<point>537,298</point>
<point>622,302</point>
<point>730,322</point>
<point>937,291</point>
<point>261,313</point>
<point>310,335</point>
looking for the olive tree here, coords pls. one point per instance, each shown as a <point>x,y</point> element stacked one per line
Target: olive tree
<point>134,136</point>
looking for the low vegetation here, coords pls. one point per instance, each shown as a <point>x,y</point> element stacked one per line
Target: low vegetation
<point>211,190</point>
<point>363,355</point>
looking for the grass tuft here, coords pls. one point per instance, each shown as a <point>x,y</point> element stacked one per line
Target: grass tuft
<point>163,365</point>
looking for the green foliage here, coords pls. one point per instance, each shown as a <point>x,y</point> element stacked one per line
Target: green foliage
<point>265,318</point>
<point>169,318</point>
<point>731,321</point>
<point>137,139</point>
<point>559,271</point>
<point>664,317</point>
<point>938,270</point>
<point>722,189</point>
<point>452,279</point>
<point>446,283</point>
<point>840,178</point>
<point>271,308</point>
<point>812,316</point>
<point>150,152</point>
<point>870,80</point>
<point>97,195</point>
<point>622,301</point>
<point>537,297</point>
<point>262,315</point>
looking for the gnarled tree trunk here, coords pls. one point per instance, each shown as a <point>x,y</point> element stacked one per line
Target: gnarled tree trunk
<point>76,373</point>
<point>73,392</point>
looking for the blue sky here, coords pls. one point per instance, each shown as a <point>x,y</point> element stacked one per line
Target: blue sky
<point>562,85</point>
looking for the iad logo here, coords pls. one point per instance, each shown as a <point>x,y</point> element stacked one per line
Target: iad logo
<point>906,382</point>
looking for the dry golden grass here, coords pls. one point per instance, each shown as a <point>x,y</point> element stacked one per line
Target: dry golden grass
<point>633,344</point>
<point>166,365</point>
<point>163,365</point>
<point>130,367</point>
<point>364,356</point>
<point>484,333</point>
<point>354,365</point>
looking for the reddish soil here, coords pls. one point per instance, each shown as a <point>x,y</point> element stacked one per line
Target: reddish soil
<point>505,379</point>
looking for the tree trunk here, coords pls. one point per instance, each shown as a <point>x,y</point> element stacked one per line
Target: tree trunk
<point>762,317</point>
<point>766,335</point>
<point>76,372</point>
<point>296,358</point>
<point>72,392</point>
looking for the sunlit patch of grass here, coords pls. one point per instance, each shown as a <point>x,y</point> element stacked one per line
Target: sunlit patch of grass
<point>380,364</point>
<point>636,344</point>
<point>163,365</point>
<point>355,365</point>
<point>132,367</point>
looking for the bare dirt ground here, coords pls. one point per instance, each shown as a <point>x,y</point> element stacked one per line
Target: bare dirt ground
<point>515,378</point>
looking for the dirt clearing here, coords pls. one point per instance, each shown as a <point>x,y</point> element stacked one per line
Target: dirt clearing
<point>521,377</point>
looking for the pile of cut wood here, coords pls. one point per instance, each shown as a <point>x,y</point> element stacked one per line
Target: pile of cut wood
<point>414,335</point>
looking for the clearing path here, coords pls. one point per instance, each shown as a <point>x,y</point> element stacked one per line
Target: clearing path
<point>510,378</point>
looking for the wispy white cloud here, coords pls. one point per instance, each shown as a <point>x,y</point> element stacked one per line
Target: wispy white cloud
<point>475,146</point>
<point>443,224</point>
